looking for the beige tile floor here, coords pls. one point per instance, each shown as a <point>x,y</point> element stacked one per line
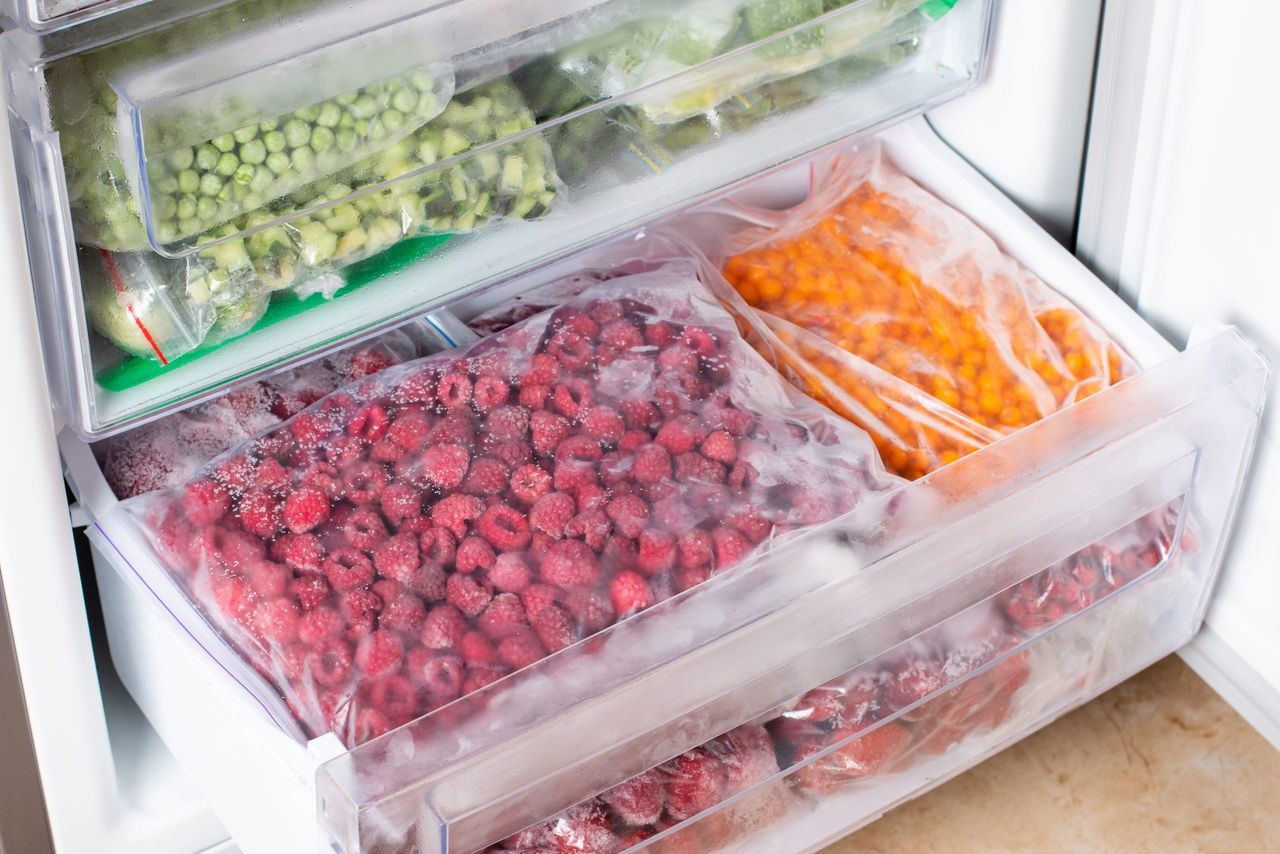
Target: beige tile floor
<point>1158,764</point>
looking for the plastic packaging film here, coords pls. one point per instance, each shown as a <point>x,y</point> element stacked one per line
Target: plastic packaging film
<point>425,531</point>
<point>901,314</point>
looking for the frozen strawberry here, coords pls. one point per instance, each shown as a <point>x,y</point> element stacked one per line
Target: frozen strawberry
<point>864,756</point>
<point>747,757</point>
<point>695,783</point>
<point>912,681</point>
<point>638,801</point>
<point>629,592</point>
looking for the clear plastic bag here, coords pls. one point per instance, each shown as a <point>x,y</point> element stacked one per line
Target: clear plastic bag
<point>898,312</point>
<point>426,531</point>
<point>307,252</point>
<point>166,453</point>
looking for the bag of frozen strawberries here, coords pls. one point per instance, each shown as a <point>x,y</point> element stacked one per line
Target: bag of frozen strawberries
<point>424,531</point>
<point>901,314</point>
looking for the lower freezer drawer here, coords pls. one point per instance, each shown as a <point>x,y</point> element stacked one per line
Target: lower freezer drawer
<point>800,695</point>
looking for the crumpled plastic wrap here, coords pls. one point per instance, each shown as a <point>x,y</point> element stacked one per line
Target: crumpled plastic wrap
<point>425,531</point>
<point>166,453</point>
<point>898,312</point>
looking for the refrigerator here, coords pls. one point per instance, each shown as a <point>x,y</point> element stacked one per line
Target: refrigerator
<point>1110,148</point>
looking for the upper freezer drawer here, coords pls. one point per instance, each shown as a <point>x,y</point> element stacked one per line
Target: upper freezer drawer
<point>994,594</point>
<point>188,187</point>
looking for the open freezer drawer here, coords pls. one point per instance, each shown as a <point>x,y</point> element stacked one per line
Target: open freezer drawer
<point>225,195</point>
<point>1138,483</point>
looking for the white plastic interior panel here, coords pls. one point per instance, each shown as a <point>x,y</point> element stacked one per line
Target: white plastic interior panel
<point>1179,210</point>
<point>1024,127</point>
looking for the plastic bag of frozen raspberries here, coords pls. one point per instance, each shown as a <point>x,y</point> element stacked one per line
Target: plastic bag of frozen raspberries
<point>165,453</point>
<point>422,532</point>
<point>900,313</point>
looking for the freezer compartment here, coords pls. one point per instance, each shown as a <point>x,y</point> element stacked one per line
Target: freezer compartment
<point>993,533</point>
<point>181,192</point>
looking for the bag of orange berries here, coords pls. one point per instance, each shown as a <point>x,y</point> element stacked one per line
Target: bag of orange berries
<point>900,313</point>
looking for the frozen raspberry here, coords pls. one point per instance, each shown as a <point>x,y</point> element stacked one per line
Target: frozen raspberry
<point>479,676</point>
<point>685,578</point>
<point>535,597</point>
<point>474,553</point>
<point>324,478</point>
<point>369,423</point>
<point>629,592</point>
<point>467,595</point>
<point>441,678</point>
<point>572,350</point>
<point>360,609</point>
<point>400,501</point>
<point>344,450</point>
<point>319,625</point>
<point>235,475</point>
<point>508,424</point>
<point>487,476</point>
<point>386,589</point>
<point>632,441</point>
<point>742,474</point>
<point>692,467</point>
<point>229,549</point>
<point>503,617</point>
<point>310,429</point>
<point>591,496</point>
<point>405,613</point>
<point>276,445</point>
<point>579,447</point>
<point>660,333</point>
<point>638,801</point>
<point>571,397</point>
<point>205,502</point>
<point>418,387</point>
<point>520,649</point>
<point>504,527</point>
<point>695,783</point>
<point>311,591</point>
<point>386,451</point>
<point>397,557</point>
<point>629,514</point>
<point>655,551</point>
<point>730,547</point>
<point>551,513</point>
<point>604,424</point>
<point>554,627</point>
<point>369,723</point>
<point>444,466</point>
<point>268,580</point>
<point>543,369</point>
<point>379,653</point>
<point>571,475</point>
<point>271,477</point>
<point>394,696</point>
<point>752,525</point>
<point>443,627</point>
<point>259,513</point>
<point>489,392</point>
<point>330,663</point>
<point>592,527</point>
<point>673,513</point>
<point>299,551</point>
<point>437,546</point>
<point>348,569</point>
<point>570,563</point>
<point>696,549</point>
<point>618,552</point>
<point>511,454</point>
<point>590,608</point>
<point>509,573</point>
<point>652,464</point>
<point>681,434</point>
<point>534,397</point>
<point>912,681</point>
<point>615,467</point>
<point>454,429</point>
<point>454,390</point>
<point>476,648</point>
<point>428,583</point>
<point>454,512</point>
<point>275,621</point>
<point>364,529</point>
<point>719,446</point>
<point>621,335</point>
<point>363,482</point>
<point>548,430</point>
<point>607,311</point>
<point>304,509</point>
<point>860,758</point>
<point>232,595</point>
<point>677,360</point>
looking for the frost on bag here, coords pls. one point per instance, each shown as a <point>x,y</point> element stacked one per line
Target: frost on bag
<point>902,315</point>
<point>423,532</point>
<point>166,453</point>
<point>321,235</point>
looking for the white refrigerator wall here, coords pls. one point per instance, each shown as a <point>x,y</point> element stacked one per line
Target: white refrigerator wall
<point>1180,210</point>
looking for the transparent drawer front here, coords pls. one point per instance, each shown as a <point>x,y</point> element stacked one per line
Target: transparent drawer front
<point>252,168</point>
<point>804,694</point>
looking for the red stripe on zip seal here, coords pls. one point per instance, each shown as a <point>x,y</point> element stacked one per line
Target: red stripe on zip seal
<point>116,281</point>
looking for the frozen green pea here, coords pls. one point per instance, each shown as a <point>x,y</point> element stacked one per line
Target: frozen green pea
<point>210,184</point>
<point>227,165</point>
<point>261,180</point>
<point>345,139</point>
<point>166,208</point>
<point>244,174</point>
<point>224,142</point>
<point>329,115</point>
<point>186,207</point>
<point>268,125</point>
<point>321,139</point>
<point>181,159</point>
<point>167,185</point>
<point>377,130</point>
<point>245,134</point>
<point>308,113</point>
<point>302,159</point>
<point>188,181</point>
<point>278,162</point>
<point>166,232</point>
<point>297,133</point>
<point>206,157</point>
<point>392,119</point>
<point>274,141</point>
<point>422,80</point>
<point>364,107</point>
<point>361,127</point>
<point>405,100</point>
<point>253,152</point>
<point>346,99</point>
<point>347,121</point>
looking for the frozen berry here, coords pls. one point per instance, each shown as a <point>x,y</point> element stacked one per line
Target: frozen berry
<point>638,801</point>
<point>508,423</point>
<point>592,527</point>
<point>474,553</point>
<point>348,569</point>
<point>479,676</point>
<point>319,625</point>
<point>570,563</point>
<point>369,423</point>
<point>551,513</point>
<point>529,483</point>
<point>454,512</point>
<point>437,546</point>
<point>444,466</point>
<point>311,591</point>
<point>379,653</point>
<point>591,609</point>
<point>454,390</point>
<point>259,513</point>
<point>548,430</point>
<point>554,627</point>
<point>571,397</point>
<point>304,509</point>
<point>467,595</point>
<point>604,424</point>
<point>629,513</point>
<point>276,621</point>
<point>330,663</point>
<point>655,551</point>
<point>696,549</point>
<point>695,783</point>
<point>476,648</point>
<point>730,547</point>
<point>503,617</point>
<point>359,608</point>
<point>510,573</point>
<point>442,628</point>
<point>719,446</point>
<point>504,527</point>
<point>271,477</point>
<point>400,501</point>
<point>205,502</point>
<point>487,476</point>
<point>268,579</point>
<point>441,678</point>
<point>405,613</point>
<point>629,592</point>
<point>394,696</point>
<point>520,649</point>
<point>621,335</point>
<point>398,557</point>
<point>652,464</point>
